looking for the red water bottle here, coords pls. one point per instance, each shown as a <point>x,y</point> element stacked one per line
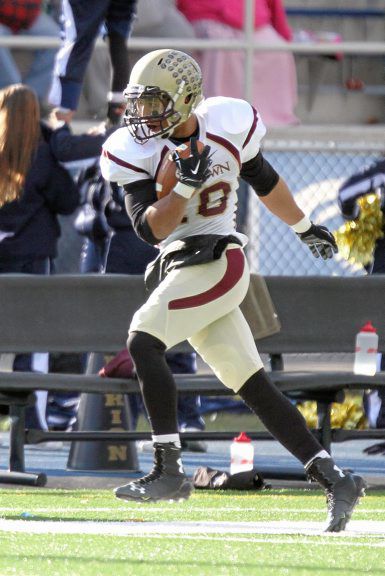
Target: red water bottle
<point>242,454</point>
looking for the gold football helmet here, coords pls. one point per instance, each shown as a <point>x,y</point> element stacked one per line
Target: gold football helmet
<point>164,89</point>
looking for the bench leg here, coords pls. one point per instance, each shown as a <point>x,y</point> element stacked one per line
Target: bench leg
<point>16,473</point>
<point>16,438</point>
<point>324,412</point>
<point>276,362</point>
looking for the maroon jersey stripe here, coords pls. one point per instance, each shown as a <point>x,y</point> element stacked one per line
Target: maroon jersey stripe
<point>223,142</point>
<point>162,155</point>
<point>234,271</point>
<point>252,129</point>
<point>123,162</point>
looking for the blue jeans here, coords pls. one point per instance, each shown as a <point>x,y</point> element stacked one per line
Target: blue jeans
<point>84,20</point>
<point>39,75</point>
<point>93,256</point>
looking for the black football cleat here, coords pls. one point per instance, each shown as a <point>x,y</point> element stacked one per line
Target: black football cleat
<point>166,481</point>
<point>343,491</point>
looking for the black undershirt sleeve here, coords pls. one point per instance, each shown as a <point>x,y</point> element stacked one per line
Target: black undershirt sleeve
<point>140,195</point>
<point>259,174</point>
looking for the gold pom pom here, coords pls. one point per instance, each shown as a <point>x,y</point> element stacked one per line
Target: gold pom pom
<point>356,239</point>
<point>348,414</point>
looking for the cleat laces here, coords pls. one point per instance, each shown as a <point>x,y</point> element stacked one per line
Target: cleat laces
<point>156,471</point>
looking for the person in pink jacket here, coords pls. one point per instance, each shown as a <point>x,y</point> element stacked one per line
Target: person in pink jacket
<point>274,88</point>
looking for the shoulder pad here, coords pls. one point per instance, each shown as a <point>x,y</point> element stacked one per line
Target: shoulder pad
<point>122,144</point>
<point>230,115</point>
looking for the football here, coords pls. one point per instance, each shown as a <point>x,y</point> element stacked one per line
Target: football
<point>166,178</point>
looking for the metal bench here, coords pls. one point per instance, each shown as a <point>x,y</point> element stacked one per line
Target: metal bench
<point>91,313</point>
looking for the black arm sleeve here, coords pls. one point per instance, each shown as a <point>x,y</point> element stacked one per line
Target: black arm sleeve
<point>140,195</point>
<point>259,174</point>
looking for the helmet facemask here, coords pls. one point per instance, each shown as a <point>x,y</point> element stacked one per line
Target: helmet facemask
<point>150,112</point>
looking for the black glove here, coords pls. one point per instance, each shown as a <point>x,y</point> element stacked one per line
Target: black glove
<point>320,241</point>
<point>378,448</point>
<point>194,170</point>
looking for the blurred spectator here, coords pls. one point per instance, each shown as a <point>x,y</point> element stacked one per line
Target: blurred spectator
<point>91,221</point>
<point>369,180</point>
<point>159,19</point>
<point>82,26</point>
<point>80,153</point>
<point>76,152</point>
<point>274,88</point>
<point>34,189</point>
<point>155,19</point>
<point>26,17</point>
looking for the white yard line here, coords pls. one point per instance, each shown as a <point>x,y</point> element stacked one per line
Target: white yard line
<point>268,540</point>
<point>355,529</point>
<point>144,508</point>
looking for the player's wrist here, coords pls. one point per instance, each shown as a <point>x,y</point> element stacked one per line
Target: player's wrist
<point>184,190</point>
<point>302,226</point>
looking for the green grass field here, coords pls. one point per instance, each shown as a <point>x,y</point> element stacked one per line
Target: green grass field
<point>183,553</point>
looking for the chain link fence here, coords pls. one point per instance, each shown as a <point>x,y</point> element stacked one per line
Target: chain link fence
<point>314,170</point>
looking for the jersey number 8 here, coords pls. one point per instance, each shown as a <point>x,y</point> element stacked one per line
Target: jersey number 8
<point>220,206</point>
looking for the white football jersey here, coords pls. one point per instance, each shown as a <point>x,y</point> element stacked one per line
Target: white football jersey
<point>232,128</point>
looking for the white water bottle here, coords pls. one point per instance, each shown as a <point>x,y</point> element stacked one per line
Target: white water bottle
<point>365,359</point>
<point>242,454</point>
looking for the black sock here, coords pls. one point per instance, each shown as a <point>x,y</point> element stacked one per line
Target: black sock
<point>156,382</point>
<point>279,416</point>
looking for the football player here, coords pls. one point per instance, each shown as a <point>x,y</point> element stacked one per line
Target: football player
<point>201,275</point>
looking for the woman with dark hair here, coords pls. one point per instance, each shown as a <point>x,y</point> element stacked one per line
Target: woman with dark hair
<point>34,189</point>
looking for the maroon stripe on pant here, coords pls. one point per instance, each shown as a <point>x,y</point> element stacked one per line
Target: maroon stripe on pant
<point>234,271</point>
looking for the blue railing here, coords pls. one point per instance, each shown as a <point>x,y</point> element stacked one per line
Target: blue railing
<point>336,12</point>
